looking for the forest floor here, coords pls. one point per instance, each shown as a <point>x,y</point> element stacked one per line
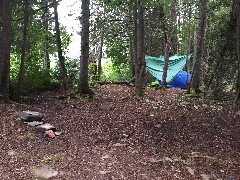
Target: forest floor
<point>165,135</point>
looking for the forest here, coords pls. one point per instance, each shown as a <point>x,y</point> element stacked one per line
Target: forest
<point>114,113</point>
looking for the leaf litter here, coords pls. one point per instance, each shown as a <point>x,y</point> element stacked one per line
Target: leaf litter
<point>116,136</point>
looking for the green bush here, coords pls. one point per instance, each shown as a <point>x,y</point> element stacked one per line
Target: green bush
<point>111,72</point>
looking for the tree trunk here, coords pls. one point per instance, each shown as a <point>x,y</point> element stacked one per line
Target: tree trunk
<point>132,64</point>
<point>140,64</point>
<point>237,98</point>
<point>198,47</point>
<point>132,41</point>
<point>46,59</point>
<point>65,80</point>
<point>149,37</point>
<point>6,15</point>
<point>168,41</point>
<point>166,59</point>
<point>23,50</point>
<point>188,42</point>
<point>83,82</point>
<point>100,53</point>
<point>135,37</point>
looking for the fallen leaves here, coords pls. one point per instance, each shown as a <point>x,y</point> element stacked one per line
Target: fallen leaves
<point>160,136</point>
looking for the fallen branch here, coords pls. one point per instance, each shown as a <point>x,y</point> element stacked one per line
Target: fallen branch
<point>114,82</point>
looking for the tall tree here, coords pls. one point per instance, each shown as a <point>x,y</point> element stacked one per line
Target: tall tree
<point>168,40</point>
<point>46,59</point>
<point>188,42</point>
<point>237,10</point>
<point>100,52</point>
<point>131,51</point>
<point>198,47</point>
<point>5,43</point>
<point>23,50</point>
<point>65,79</point>
<point>140,64</point>
<point>84,60</point>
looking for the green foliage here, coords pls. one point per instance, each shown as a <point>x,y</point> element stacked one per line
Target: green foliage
<point>73,70</point>
<point>93,75</point>
<point>221,65</point>
<point>118,51</point>
<point>111,72</point>
<point>35,77</point>
<point>116,19</point>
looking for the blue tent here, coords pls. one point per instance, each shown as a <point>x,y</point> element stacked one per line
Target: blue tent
<point>176,78</point>
<point>180,80</point>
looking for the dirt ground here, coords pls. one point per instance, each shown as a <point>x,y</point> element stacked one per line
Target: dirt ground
<point>165,135</point>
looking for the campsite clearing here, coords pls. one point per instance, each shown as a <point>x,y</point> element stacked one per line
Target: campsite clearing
<point>165,135</point>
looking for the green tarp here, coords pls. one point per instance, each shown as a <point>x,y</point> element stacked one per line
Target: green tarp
<point>155,66</point>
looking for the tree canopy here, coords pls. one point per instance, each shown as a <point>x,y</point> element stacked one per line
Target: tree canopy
<point>170,27</point>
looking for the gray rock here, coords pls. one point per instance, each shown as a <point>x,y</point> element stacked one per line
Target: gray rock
<point>44,171</point>
<point>45,127</point>
<point>30,116</point>
<point>34,123</point>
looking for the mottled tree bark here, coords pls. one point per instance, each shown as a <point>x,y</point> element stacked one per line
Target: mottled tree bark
<point>100,53</point>
<point>188,42</point>
<point>237,10</point>
<point>168,41</point>
<point>135,36</point>
<point>140,64</point>
<point>23,50</point>
<point>132,62</point>
<point>65,80</point>
<point>46,59</point>
<point>5,43</point>
<point>198,47</point>
<point>83,82</point>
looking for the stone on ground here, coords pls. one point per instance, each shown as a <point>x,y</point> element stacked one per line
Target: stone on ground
<point>30,116</point>
<point>45,127</point>
<point>44,171</point>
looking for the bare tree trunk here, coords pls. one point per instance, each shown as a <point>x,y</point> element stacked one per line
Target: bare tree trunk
<point>168,42</point>
<point>23,51</point>
<point>135,36</point>
<point>132,37</point>
<point>188,42</point>
<point>198,47</point>
<point>166,59</point>
<point>140,64</point>
<point>6,15</point>
<point>46,59</point>
<point>100,53</point>
<point>148,35</point>
<point>132,71</point>
<point>83,82</point>
<point>237,98</point>
<point>148,31</point>
<point>65,80</point>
